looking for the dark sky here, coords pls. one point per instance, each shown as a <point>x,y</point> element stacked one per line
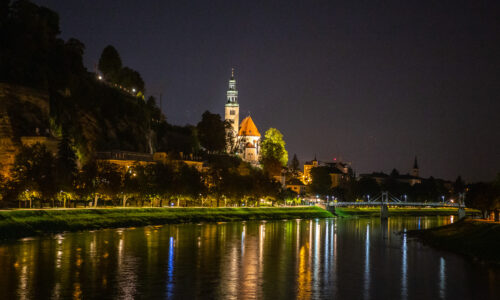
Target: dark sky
<point>371,82</point>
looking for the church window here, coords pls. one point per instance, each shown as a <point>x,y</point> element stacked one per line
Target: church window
<point>232,112</point>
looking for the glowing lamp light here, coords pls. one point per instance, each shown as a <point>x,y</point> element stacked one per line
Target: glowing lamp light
<point>100,77</point>
<point>133,90</point>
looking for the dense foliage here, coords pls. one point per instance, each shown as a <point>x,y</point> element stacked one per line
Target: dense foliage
<point>212,132</point>
<point>484,196</point>
<point>273,153</point>
<point>110,65</point>
<point>39,180</point>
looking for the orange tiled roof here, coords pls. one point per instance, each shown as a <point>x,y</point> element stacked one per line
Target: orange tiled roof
<point>248,128</point>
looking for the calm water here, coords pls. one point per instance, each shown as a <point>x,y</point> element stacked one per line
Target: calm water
<point>306,259</point>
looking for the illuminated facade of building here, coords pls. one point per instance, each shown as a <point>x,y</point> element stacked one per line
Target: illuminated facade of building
<point>338,171</point>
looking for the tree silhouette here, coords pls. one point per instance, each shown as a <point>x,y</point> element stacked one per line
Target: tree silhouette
<point>211,132</point>
<point>110,63</point>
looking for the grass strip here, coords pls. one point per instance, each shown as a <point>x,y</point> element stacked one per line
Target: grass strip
<point>22,223</point>
<point>476,239</point>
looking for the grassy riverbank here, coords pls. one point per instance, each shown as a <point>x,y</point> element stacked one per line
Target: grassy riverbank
<point>473,238</point>
<point>399,211</point>
<point>21,223</point>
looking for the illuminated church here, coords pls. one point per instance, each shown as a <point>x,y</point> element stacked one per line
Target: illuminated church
<point>245,138</point>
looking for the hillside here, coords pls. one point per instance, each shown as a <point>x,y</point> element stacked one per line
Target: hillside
<point>46,91</point>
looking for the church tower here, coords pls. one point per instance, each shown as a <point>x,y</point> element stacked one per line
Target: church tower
<point>232,110</point>
<point>414,171</point>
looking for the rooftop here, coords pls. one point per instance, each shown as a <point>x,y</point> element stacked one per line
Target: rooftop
<point>248,128</point>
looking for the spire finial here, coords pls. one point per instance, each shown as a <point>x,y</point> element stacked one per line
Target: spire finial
<point>232,72</point>
<point>415,164</point>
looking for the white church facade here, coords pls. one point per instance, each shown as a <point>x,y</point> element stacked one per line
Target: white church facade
<point>244,139</point>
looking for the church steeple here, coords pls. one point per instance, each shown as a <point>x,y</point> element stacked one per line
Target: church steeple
<point>232,93</point>
<point>232,110</point>
<point>415,170</point>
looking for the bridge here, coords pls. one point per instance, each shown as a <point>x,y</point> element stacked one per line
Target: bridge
<point>378,203</point>
<point>385,199</point>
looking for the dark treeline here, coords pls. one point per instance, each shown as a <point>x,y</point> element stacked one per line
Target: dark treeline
<point>40,179</point>
<point>483,195</point>
<point>350,189</point>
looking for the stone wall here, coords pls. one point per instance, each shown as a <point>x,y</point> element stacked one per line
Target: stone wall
<point>11,95</point>
<point>8,148</point>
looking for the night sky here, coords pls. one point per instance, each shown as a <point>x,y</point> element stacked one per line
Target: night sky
<point>372,82</point>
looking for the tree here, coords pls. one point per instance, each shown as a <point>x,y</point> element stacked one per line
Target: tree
<point>230,139</point>
<point>85,182</point>
<point>130,79</point>
<point>65,167</point>
<point>110,63</point>
<point>321,181</point>
<point>459,185</point>
<point>273,152</point>
<point>108,181</point>
<point>211,132</point>
<point>367,186</point>
<point>188,183</point>
<point>33,173</point>
<point>65,162</point>
<point>484,196</point>
<point>98,180</point>
<point>295,164</point>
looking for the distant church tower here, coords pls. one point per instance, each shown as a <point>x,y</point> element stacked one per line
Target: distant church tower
<point>414,171</point>
<point>232,110</point>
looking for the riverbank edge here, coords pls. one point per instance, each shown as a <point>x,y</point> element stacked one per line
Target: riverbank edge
<point>403,212</point>
<point>24,223</point>
<point>474,239</point>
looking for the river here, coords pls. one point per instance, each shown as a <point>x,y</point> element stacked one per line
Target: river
<point>351,258</point>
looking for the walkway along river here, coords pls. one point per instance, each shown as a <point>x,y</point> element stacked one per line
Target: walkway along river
<point>342,258</point>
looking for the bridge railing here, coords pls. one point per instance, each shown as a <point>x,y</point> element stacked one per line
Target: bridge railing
<point>378,203</point>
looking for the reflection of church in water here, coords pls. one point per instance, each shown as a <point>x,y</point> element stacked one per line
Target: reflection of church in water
<point>245,137</point>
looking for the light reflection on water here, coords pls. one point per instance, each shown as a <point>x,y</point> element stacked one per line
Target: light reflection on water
<point>367,264</point>
<point>305,259</point>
